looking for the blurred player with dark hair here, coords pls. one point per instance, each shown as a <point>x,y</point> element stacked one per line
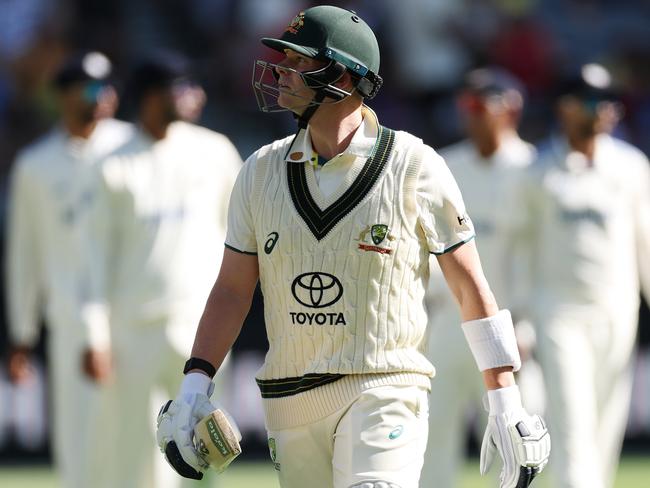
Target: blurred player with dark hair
<point>487,166</point>
<point>51,192</point>
<point>161,210</point>
<point>585,220</point>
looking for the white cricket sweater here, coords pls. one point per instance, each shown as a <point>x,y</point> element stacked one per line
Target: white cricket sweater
<point>588,228</point>
<point>344,276</point>
<point>158,228</point>
<point>51,192</point>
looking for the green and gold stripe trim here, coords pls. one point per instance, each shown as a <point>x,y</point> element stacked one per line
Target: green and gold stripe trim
<point>284,387</point>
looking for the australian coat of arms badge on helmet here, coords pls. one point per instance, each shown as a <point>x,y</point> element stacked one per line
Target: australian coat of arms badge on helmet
<point>297,22</point>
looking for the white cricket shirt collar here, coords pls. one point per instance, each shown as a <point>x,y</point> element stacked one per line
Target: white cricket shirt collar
<point>361,145</point>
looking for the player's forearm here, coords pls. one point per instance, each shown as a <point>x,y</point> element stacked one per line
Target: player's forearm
<point>475,298</point>
<point>220,324</point>
<point>23,293</point>
<point>496,378</point>
<point>476,303</point>
<point>227,306</point>
<point>24,284</point>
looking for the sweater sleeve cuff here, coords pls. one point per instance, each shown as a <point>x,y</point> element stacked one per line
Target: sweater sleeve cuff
<point>26,335</point>
<point>97,325</point>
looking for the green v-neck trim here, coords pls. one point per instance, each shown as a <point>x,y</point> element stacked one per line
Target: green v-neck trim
<point>320,222</point>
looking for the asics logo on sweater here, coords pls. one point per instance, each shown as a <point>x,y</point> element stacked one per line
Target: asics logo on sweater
<point>271,241</point>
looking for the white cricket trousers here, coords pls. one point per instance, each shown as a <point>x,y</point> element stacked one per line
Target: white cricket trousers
<point>586,360</point>
<point>380,436</point>
<point>81,417</point>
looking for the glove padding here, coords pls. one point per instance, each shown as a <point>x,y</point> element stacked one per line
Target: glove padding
<point>191,425</point>
<point>522,440</point>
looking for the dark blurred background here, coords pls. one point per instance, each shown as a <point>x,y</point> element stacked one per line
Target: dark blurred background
<point>427,46</point>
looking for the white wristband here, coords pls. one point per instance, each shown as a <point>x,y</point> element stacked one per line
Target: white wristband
<point>492,341</point>
<point>503,400</point>
<point>194,383</point>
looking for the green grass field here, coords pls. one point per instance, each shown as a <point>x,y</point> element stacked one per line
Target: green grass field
<point>634,472</point>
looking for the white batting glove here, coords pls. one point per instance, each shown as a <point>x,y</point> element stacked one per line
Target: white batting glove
<point>522,440</point>
<point>176,422</point>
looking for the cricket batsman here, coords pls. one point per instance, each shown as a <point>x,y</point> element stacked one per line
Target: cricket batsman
<point>337,222</point>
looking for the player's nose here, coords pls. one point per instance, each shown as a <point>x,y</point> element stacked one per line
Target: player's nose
<point>283,75</point>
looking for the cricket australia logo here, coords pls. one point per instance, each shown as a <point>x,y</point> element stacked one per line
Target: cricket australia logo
<point>317,290</point>
<point>379,233</point>
<point>297,22</point>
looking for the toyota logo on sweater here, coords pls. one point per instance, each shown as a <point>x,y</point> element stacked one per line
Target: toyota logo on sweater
<point>317,290</point>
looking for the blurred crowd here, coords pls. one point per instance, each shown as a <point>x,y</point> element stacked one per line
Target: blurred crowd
<point>427,46</point>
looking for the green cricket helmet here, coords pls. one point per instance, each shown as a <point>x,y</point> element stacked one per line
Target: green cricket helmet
<point>336,36</point>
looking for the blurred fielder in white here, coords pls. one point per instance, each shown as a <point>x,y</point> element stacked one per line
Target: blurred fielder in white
<point>487,167</point>
<point>51,192</point>
<point>161,210</point>
<point>586,223</point>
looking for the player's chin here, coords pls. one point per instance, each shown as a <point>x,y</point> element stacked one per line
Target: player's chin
<point>288,101</point>
<point>292,101</point>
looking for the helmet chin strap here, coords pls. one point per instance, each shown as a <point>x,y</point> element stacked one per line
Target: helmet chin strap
<point>310,110</point>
